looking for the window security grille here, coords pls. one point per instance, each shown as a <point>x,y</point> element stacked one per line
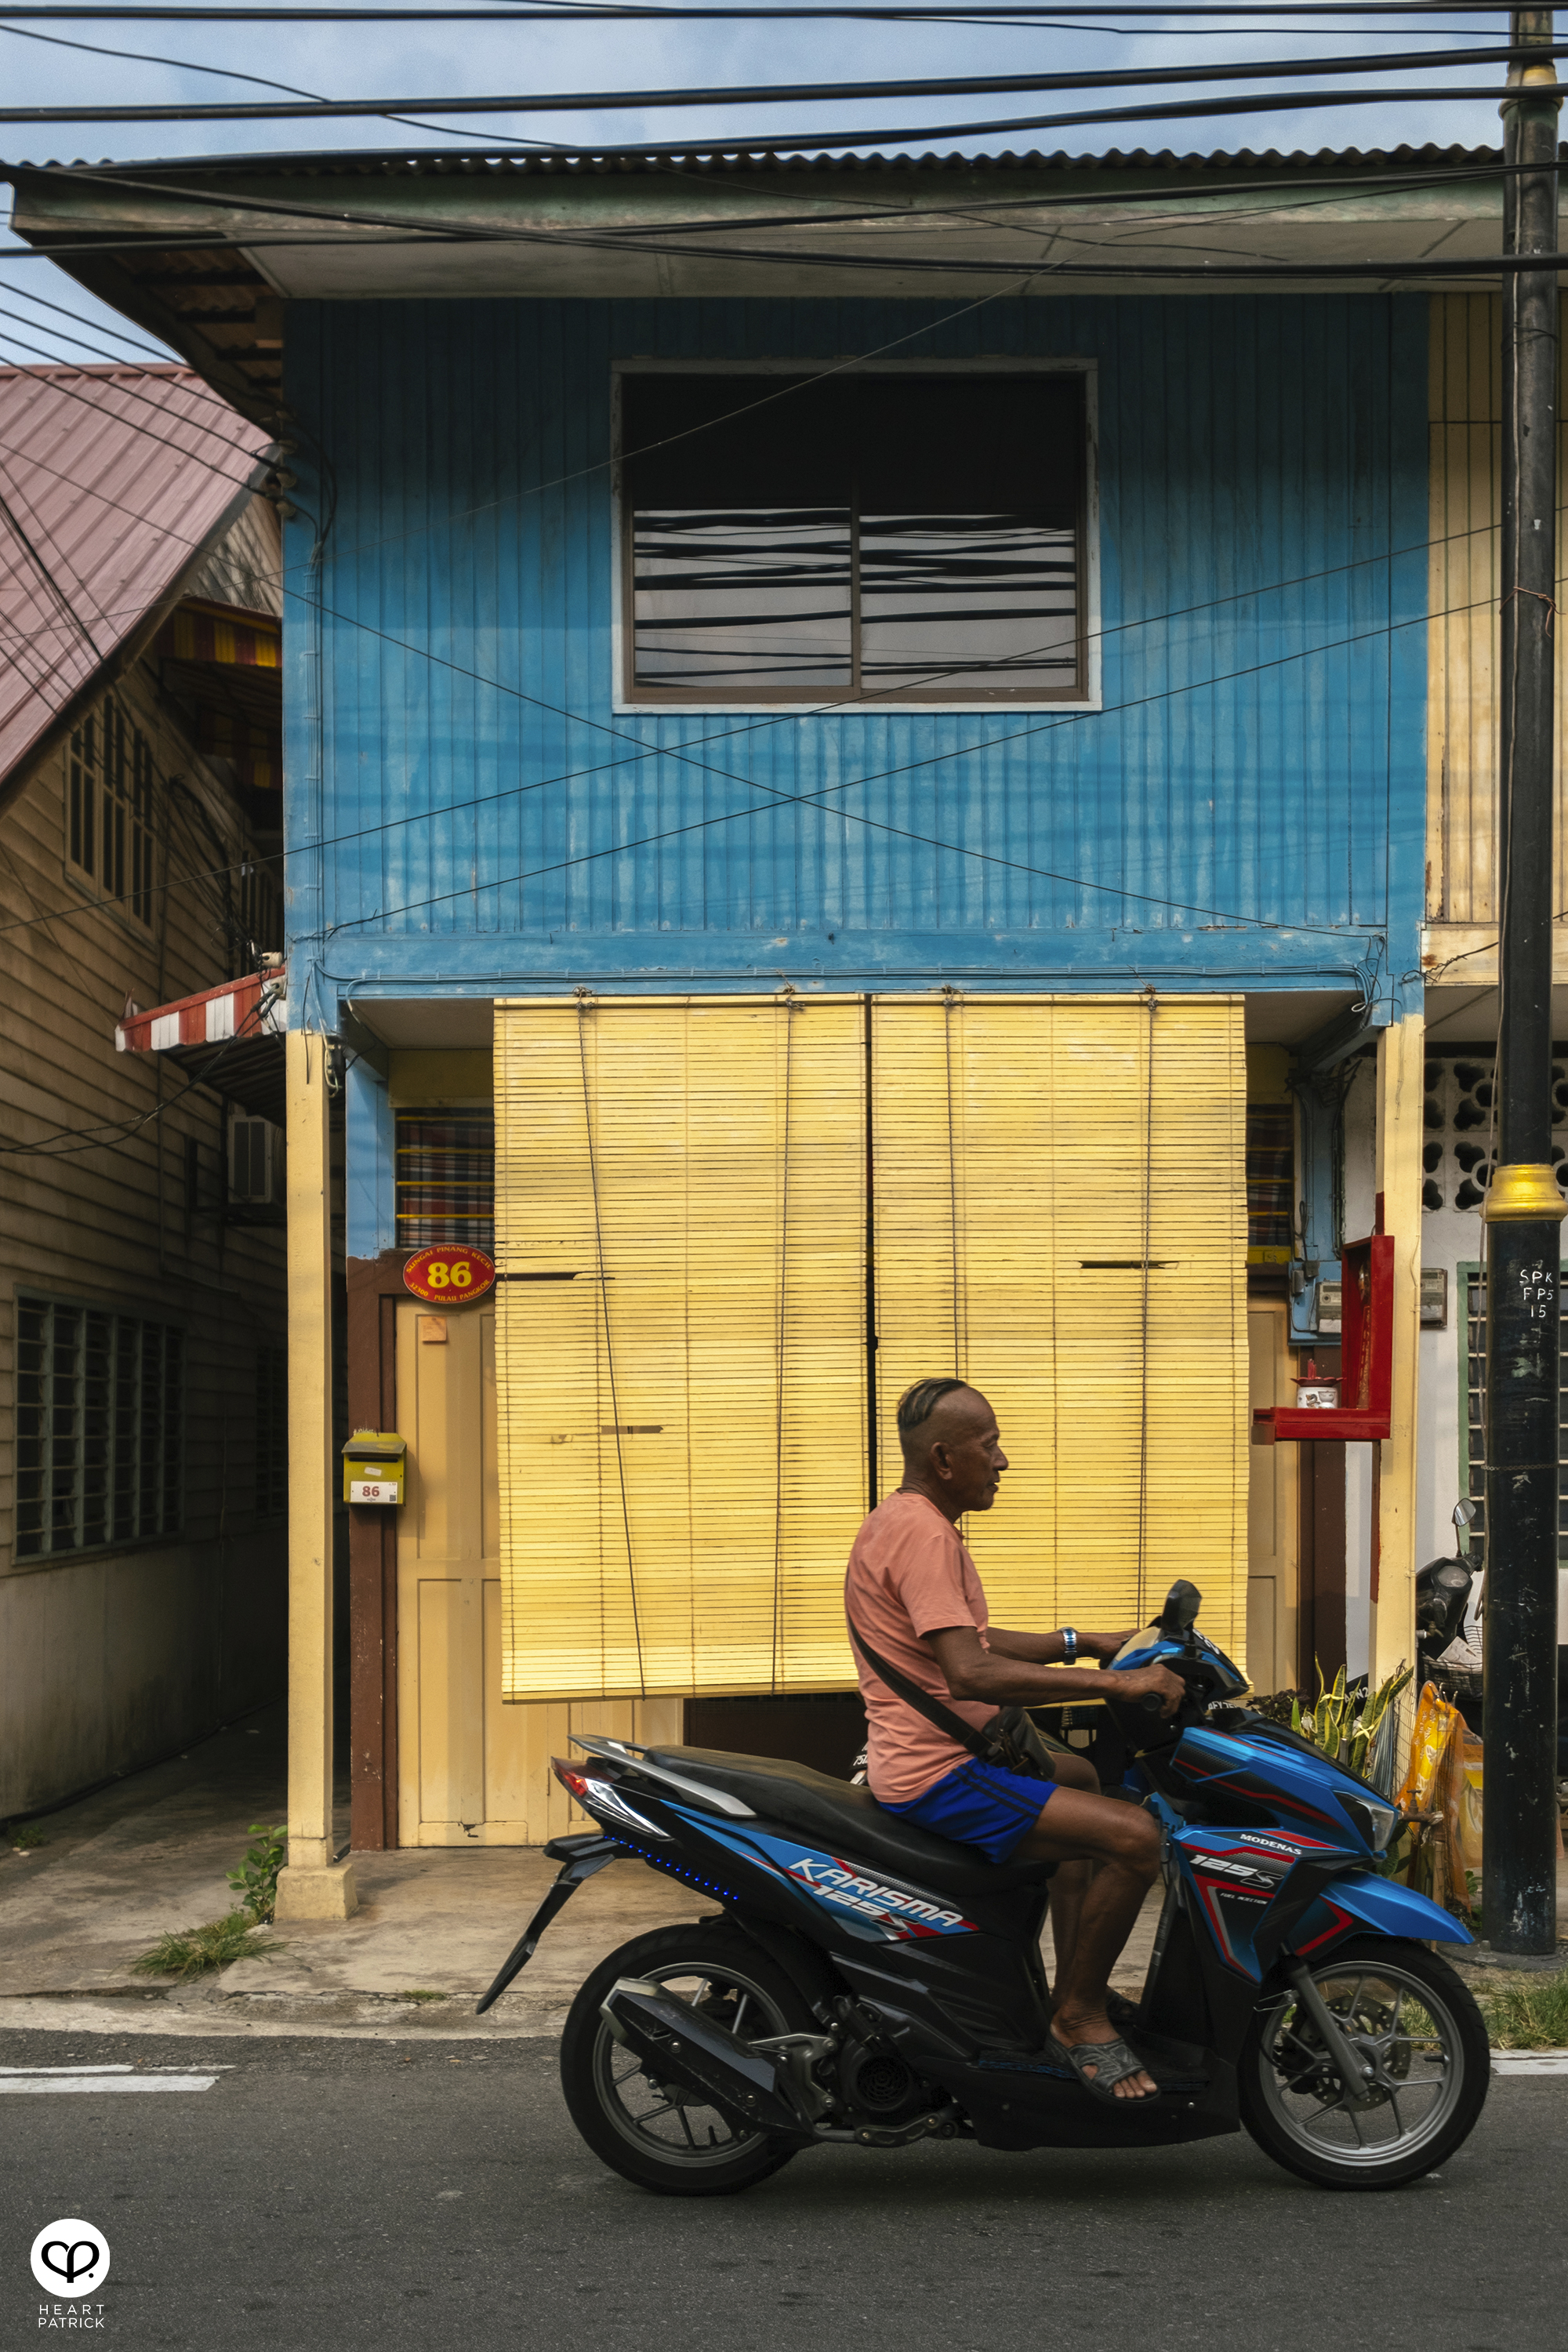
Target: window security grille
<point>100,1428</point>
<point>108,818</point>
<point>445,1178</point>
<point>1271,1182</point>
<point>908,537</point>
<point>260,911</point>
<point>271,1432</point>
<point>1475,1284</point>
<point>1461,1146</point>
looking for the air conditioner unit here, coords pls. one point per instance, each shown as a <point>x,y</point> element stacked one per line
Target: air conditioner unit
<point>255,1163</point>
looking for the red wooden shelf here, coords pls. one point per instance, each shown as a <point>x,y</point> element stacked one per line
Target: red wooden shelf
<point>1366,1342</point>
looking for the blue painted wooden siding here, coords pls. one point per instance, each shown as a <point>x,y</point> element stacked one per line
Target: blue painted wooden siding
<point>1259,759</point>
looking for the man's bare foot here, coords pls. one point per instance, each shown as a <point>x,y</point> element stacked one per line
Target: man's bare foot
<point>1073,2028</point>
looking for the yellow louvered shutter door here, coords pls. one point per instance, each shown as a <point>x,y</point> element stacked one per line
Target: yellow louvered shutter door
<point>681,1343</point>
<point>1023,1149</point>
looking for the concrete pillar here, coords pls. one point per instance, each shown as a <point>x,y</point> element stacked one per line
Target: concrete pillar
<point>310,1887</point>
<point>1400,1132</point>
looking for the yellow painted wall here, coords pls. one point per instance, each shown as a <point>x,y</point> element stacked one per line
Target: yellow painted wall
<point>1465,424</point>
<point>418,1079</point>
<point>1272,1489</point>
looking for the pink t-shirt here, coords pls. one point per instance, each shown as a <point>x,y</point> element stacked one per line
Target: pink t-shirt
<point>910,1574</point>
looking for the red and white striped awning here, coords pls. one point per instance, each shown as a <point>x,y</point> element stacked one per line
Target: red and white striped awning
<point>252,1007</point>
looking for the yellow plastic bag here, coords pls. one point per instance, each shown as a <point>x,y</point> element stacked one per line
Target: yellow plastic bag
<point>1435,1784</point>
<point>1471,1777</point>
<point>1459,1801</point>
<point>1434,1722</point>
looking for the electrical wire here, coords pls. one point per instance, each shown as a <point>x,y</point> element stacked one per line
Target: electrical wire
<point>643,750</point>
<point>682,754</point>
<point>158,364</point>
<point>784,716</point>
<point>1284,189</point>
<point>1389,273</point>
<point>129,392</point>
<point>69,391</point>
<point>883,775</point>
<point>789,93</point>
<point>1009,14</point>
<point>163,353</point>
<point>187,65</point>
<point>88,1138</point>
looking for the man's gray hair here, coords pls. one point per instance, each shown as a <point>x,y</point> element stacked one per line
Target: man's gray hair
<point>918,1401</point>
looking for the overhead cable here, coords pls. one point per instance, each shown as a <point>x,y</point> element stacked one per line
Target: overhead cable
<point>644,751</point>
<point>818,141</point>
<point>1010,11</point>
<point>791,93</point>
<point>1436,268</point>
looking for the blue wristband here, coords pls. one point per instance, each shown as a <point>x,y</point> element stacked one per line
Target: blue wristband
<point>1070,1637</point>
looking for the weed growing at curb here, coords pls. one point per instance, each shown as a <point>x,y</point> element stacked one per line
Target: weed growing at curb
<point>24,1839</point>
<point>1529,2013</point>
<point>191,1951</point>
<point>256,1880</point>
<point>419,1993</point>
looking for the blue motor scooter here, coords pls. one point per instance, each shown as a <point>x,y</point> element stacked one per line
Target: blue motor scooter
<point>862,1981</point>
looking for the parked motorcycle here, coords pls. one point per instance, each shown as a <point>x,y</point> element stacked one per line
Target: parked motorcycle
<point>867,1983</point>
<point>1443,1592</point>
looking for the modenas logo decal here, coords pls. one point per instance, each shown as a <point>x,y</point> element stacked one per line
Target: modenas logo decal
<point>848,1889</point>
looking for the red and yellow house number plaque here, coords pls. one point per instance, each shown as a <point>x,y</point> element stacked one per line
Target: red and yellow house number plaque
<point>449,1276</point>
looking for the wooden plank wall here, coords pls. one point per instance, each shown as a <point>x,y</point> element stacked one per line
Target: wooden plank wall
<point>1464,420</point>
<point>107,1658</point>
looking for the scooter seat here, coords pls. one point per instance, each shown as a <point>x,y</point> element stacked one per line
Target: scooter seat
<point>837,1815</point>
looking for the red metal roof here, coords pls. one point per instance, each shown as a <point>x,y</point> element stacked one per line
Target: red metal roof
<point>112,481</point>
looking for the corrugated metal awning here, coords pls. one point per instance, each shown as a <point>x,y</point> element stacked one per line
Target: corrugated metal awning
<point>230,1037</point>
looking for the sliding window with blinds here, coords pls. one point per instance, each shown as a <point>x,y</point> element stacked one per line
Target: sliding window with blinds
<point>1057,1210</point>
<point>1060,1215</point>
<point>680,1209</point>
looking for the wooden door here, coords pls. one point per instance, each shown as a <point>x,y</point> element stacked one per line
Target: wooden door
<point>1271,1509</point>
<point>470,1771</point>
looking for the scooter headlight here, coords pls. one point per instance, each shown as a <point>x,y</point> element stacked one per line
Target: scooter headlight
<point>1376,1823</point>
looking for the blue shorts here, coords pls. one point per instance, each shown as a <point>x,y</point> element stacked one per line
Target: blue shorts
<point>980,1805</point>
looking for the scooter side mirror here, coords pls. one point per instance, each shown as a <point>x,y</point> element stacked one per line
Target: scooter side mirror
<point>1180,1613</point>
<point>1464,1513</point>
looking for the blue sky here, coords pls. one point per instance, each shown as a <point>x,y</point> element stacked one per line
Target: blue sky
<point>402,61</point>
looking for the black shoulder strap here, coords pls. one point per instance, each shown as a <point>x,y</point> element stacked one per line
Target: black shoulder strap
<point>921,1701</point>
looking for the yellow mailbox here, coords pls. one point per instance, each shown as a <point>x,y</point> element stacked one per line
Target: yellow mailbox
<point>374,1462</point>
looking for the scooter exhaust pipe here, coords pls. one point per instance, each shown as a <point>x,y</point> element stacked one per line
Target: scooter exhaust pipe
<point>678,2045</point>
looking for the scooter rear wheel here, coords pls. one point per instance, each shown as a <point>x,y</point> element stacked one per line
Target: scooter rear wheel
<point>1415,2022</point>
<point>661,2137</point>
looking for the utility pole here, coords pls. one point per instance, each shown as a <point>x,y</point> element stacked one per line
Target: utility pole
<point>1524,1209</point>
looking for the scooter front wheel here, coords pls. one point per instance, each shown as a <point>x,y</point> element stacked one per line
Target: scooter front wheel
<point>1409,2019</point>
<point>655,2133</point>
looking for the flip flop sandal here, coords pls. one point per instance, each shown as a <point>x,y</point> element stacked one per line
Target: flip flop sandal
<point>1124,2014</point>
<point>1113,2062</point>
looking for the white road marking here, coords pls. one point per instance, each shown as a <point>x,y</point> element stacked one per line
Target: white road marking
<point>48,2079</point>
<point>66,2070</point>
<point>1530,2062</point>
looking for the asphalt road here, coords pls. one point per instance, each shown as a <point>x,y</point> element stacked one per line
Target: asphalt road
<point>419,2195</point>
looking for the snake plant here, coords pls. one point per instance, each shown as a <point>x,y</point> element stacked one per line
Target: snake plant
<point>1342,1724</point>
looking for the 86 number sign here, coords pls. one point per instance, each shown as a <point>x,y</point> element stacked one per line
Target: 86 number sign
<point>449,1276</point>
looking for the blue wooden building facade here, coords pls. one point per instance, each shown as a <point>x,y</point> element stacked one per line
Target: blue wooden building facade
<point>574,721</point>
